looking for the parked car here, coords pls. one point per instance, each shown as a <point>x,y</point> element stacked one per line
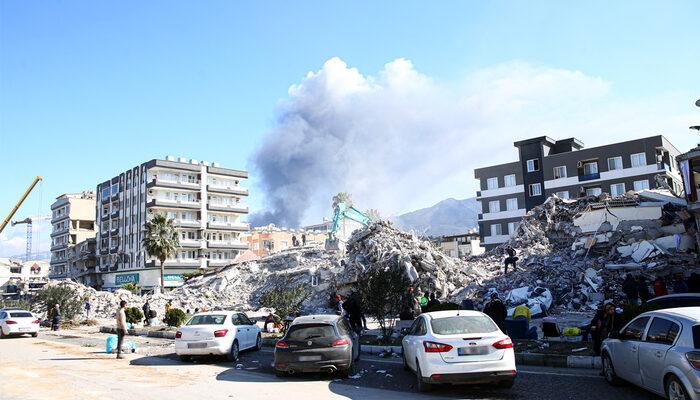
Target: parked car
<point>675,301</point>
<point>317,343</point>
<point>217,333</point>
<point>458,347</point>
<point>18,322</point>
<point>659,351</point>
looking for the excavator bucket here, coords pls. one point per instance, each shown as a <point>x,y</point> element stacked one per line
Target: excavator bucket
<point>334,244</point>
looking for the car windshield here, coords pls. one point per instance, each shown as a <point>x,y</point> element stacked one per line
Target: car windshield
<point>460,325</point>
<point>303,332</point>
<point>21,315</point>
<point>213,319</point>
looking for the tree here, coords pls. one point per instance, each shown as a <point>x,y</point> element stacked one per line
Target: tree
<point>133,315</point>
<point>285,300</point>
<point>380,292</point>
<point>175,317</point>
<point>65,296</point>
<point>161,241</point>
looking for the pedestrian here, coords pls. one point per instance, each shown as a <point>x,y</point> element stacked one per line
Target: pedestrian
<point>631,290</point>
<point>595,329</point>
<point>168,306</point>
<point>497,311</point>
<point>433,301</point>
<point>510,259</point>
<point>146,312</point>
<point>339,305</point>
<point>643,289</point>
<point>407,301</point>
<point>353,309</point>
<point>660,287</point>
<point>467,304</point>
<point>56,318</point>
<point>679,285</point>
<point>88,306</point>
<point>121,327</point>
<point>416,306</point>
<point>613,321</point>
<point>303,239</point>
<point>424,302</point>
<point>694,283</point>
<point>294,240</point>
<point>522,311</point>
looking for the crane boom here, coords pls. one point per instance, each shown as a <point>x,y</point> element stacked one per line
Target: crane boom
<point>19,203</point>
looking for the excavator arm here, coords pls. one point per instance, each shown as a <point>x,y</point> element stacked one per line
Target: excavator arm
<point>342,211</point>
<point>19,203</point>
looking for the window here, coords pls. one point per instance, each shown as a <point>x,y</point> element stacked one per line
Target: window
<point>563,195</point>
<point>533,165</point>
<point>462,325</point>
<point>512,227</point>
<point>492,183</point>
<point>596,191</point>
<point>560,172</point>
<point>496,230</point>
<point>590,168</point>
<point>535,189</point>
<point>635,330</point>
<point>105,192</point>
<point>511,204</point>
<point>641,185</point>
<point>494,206</point>
<point>617,189</point>
<point>662,331</point>
<point>509,180</point>
<point>614,163</point>
<point>115,189</point>
<point>639,160</point>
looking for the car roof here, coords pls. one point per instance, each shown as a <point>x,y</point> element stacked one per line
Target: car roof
<point>454,313</point>
<point>674,296</point>
<point>12,309</point>
<point>318,318</point>
<point>218,312</point>
<point>688,313</point>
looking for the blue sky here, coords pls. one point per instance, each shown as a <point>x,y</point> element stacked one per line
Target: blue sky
<point>88,89</point>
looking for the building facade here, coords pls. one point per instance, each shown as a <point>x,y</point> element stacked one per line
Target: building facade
<point>82,264</point>
<point>567,169</point>
<point>463,245</point>
<point>20,278</point>
<point>689,164</point>
<point>205,201</point>
<point>267,240</point>
<point>72,221</point>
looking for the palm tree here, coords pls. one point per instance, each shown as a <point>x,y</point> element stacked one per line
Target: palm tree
<point>161,241</point>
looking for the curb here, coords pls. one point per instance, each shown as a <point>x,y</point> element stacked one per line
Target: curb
<point>141,332</point>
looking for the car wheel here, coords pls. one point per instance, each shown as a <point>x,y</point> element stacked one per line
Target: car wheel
<point>258,342</point>
<point>609,370</point>
<point>2,334</point>
<point>35,334</point>
<point>421,385</point>
<point>347,372</point>
<point>675,389</point>
<point>185,358</point>
<point>403,358</point>
<point>233,354</point>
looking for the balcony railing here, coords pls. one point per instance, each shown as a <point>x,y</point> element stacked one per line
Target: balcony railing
<point>175,182</point>
<point>190,243</point>
<point>588,177</point>
<point>228,189</point>
<point>194,223</point>
<point>219,262</point>
<point>229,207</point>
<point>237,226</point>
<point>175,203</point>
<point>227,244</point>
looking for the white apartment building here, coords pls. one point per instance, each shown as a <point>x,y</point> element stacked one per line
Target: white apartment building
<point>72,221</point>
<point>206,202</point>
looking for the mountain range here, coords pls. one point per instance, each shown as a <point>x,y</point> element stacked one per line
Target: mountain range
<point>448,217</point>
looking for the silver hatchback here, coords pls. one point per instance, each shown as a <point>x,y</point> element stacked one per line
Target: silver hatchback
<point>659,351</point>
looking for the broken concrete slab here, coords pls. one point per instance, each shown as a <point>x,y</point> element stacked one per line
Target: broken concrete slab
<point>591,220</point>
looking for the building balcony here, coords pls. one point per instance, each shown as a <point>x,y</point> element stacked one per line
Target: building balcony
<point>55,247</point>
<point>219,262</point>
<point>176,262</point>
<point>187,223</point>
<point>104,216</point>
<point>227,244</point>
<point>114,213</point>
<point>114,195</point>
<point>191,243</point>
<point>236,208</point>
<point>114,231</point>
<point>173,203</point>
<point>59,232</point>
<point>174,184</point>
<point>228,189</point>
<point>588,177</point>
<point>229,226</point>
<point>59,218</point>
<point>114,247</point>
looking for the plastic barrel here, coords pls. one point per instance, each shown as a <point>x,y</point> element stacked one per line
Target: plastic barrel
<point>111,343</point>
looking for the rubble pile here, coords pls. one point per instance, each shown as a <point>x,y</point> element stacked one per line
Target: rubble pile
<point>103,304</point>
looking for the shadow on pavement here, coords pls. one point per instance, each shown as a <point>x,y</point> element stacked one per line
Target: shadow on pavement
<point>71,359</point>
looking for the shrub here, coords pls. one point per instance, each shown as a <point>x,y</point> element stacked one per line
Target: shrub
<point>25,305</point>
<point>175,317</point>
<point>189,275</point>
<point>133,315</point>
<point>380,291</point>
<point>67,299</point>
<point>130,287</point>
<point>286,300</point>
<point>443,307</point>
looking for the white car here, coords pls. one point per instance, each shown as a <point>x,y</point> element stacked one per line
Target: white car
<point>217,333</point>
<point>18,322</point>
<point>458,347</point>
<point>659,351</point>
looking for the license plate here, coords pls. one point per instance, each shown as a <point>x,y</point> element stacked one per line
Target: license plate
<point>196,345</point>
<point>25,329</point>
<point>472,351</point>
<point>310,358</point>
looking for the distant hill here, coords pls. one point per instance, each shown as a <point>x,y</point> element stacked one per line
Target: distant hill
<point>448,217</point>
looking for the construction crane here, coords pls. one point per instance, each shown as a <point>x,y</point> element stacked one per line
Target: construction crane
<point>19,203</point>
<point>29,221</point>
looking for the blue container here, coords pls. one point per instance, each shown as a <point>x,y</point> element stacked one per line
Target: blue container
<point>111,343</point>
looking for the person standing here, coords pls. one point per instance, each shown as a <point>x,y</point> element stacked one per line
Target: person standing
<point>303,239</point>
<point>56,318</point>
<point>660,287</point>
<point>497,311</point>
<point>694,283</point>
<point>679,285</point>
<point>168,306</point>
<point>146,313</point>
<point>433,301</point>
<point>595,329</point>
<point>643,289</point>
<point>88,307</point>
<point>121,327</point>
<point>613,321</point>
<point>510,260</point>
<point>629,286</point>
<point>294,241</point>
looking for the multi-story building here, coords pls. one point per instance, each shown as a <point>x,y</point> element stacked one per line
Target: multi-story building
<point>205,201</point>
<point>82,263</point>
<point>463,245</point>
<point>270,239</point>
<point>689,164</point>
<point>72,220</point>
<point>563,167</point>
<point>19,278</point>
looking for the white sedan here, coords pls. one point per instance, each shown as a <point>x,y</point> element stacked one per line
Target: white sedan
<point>458,347</point>
<point>18,322</point>
<point>217,333</point>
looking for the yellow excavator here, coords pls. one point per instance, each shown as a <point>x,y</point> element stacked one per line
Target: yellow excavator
<point>19,203</point>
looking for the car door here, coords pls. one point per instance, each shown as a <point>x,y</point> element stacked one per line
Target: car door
<point>660,337</point>
<point>241,333</point>
<point>410,347</point>
<point>251,332</point>
<point>626,354</point>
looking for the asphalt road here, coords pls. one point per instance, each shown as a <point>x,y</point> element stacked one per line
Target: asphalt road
<point>376,377</point>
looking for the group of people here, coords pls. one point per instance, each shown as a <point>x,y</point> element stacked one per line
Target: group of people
<point>637,289</point>
<point>295,241</point>
<point>608,318</point>
<point>351,308</point>
<point>415,302</point>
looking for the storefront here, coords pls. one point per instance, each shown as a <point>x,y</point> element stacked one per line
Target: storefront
<point>146,280</point>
